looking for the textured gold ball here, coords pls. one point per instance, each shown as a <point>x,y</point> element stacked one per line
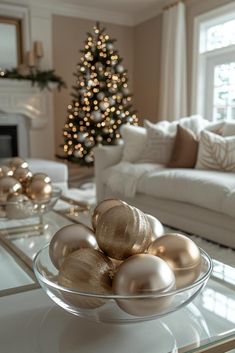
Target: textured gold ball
<point>102,207</point>
<point>156,226</point>
<point>68,239</point>
<point>17,162</point>
<point>38,190</point>
<point>41,176</point>
<point>182,255</point>
<point>23,175</point>
<point>123,231</point>
<point>143,274</point>
<point>9,186</point>
<point>86,271</point>
<point>5,171</point>
<point>18,207</point>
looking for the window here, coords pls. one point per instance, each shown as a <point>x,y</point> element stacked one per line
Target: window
<point>214,69</point>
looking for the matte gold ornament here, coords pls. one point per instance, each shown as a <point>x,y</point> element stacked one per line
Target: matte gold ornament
<point>68,239</point>
<point>156,226</point>
<point>182,255</point>
<point>9,186</point>
<point>41,176</point>
<point>123,231</point>
<point>5,171</point>
<point>23,175</point>
<point>87,271</point>
<point>38,190</point>
<point>19,207</point>
<point>102,207</point>
<point>17,162</point>
<point>144,274</point>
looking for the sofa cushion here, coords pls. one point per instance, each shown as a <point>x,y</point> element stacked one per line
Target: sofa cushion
<point>209,189</point>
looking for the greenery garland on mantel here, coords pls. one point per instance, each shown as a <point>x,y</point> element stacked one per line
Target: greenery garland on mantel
<point>41,79</point>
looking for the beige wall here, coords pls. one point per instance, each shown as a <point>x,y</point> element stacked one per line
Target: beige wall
<point>69,35</point>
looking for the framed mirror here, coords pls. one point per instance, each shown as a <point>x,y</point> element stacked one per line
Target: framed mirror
<point>11,46</point>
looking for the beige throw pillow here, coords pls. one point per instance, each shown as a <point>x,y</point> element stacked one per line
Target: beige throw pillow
<point>185,149</point>
<point>216,152</point>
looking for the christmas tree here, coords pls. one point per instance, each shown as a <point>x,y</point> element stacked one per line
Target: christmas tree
<point>101,101</point>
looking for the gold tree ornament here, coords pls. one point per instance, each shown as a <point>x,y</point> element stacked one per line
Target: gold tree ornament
<point>9,186</point>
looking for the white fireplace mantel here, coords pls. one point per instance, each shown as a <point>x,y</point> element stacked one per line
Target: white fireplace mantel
<point>22,98</point>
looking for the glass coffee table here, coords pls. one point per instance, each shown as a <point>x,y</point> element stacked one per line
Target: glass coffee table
<point>31,323</point>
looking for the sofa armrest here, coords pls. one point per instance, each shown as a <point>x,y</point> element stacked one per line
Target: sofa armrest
<point>105,156</point>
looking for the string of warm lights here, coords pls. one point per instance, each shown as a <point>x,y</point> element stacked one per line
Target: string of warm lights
<point>101,100</point>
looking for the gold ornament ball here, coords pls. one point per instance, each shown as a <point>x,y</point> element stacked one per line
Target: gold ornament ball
<point>38,190</point>
<point>144,274</point>
<point>17,162</point>
<point>156,226</point>
<point>9,186</point>
<point>87,271</point>
<point>19,207</point>
<point>102,207</point>
<point>41,176</point>
<point>5,171</point>
<point>123,231</point>
<point>68,239</point>
<point>182,255</point>
<point>23,175</point>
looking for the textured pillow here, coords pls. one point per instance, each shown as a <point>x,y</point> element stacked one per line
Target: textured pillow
<point>229,129</point>
<point>184,154</point>
<point>159,144</point>
<point>134,138</point>
<point>216,152</point>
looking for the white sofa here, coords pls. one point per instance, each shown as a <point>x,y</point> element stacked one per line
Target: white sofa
<point>197,201</point>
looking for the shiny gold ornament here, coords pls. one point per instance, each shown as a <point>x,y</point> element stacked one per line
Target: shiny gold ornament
<point>5,171</point>
<point>87,271</point>
<point>38,190</point>
<point>41,176</point>
<point>17,162</point>
<point>144,274</point>
<point>182,255</point>
<point>156,226</point>
<point>23,175</point>
<point>68,239</point>
<point>102,207</point>
<point>19,207</point>
<point>123,231</point>
<point>9,186</point>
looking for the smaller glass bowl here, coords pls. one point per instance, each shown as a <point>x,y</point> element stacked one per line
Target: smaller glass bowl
<point>106,308</point>
<point>29,208</point>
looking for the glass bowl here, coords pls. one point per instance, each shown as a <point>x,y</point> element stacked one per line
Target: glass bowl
<point>29,208</point>
<point>106,308</point>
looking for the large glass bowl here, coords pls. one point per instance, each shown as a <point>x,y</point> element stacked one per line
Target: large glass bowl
<point>29,208</point>
<point>106,308</point>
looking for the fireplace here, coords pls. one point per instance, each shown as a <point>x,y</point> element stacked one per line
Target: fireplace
<point>8,141</point>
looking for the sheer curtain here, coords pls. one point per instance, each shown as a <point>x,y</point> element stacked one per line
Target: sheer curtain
<point>173,80</point>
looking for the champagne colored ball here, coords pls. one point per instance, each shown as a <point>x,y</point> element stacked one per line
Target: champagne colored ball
<point>143,274</point>
<point>41,176</point>
<point>9,186</point>
<point>156,226</point>
<point>23,175</point>
<point>123,231</point>
<point>68,239</point>
<point>182,255</point>
<point>17,162</point>
<point>38,190</point>
<point>19,207</point>
<point>87,271</point>
<point>5,171</point>
<point>102,207</point>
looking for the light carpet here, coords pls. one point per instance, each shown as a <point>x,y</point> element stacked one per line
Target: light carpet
<point>86,193</point>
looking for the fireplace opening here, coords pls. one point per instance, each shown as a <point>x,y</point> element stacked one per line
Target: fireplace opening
<point>8,141</point>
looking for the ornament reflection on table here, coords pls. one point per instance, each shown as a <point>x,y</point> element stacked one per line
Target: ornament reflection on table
<point>119,281</point>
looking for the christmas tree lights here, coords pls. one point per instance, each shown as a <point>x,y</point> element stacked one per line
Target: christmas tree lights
<point>101,100</point>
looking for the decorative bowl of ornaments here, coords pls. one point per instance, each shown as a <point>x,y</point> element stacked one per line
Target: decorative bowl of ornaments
<point>124,270</point>
<point>24,194</point>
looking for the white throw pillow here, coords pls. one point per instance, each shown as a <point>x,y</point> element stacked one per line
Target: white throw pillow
<point>229,128</point>
<point>216,152</point>
<point>134,138</point>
